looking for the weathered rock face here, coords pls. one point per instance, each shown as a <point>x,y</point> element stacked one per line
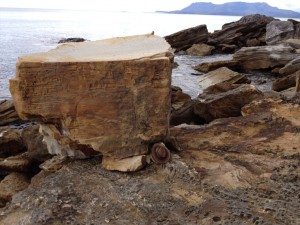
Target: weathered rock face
<point>284,83</point>
<point>8,113</point>
<point>184,39</point>
<point>226,104</point>
<point>12,184</point>
<point>241,170</point>
<point>33,140</point>
<point>200,50</point>
<point>112,96</point>
<point>294,43</point>
<point>178,97</point>
<point>277,31</point>
<point>291,67</point>
<point>10,142</point>
<point>220,75</point>
<point>217,104</point>
<point>248,31</point>
<point>264,57</point>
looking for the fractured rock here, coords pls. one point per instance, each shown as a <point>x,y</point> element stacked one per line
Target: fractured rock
<point>240,32</point>
<point>125,165</point>
<point>216,105</point>
<point>178,97</point>
<point>200,50</point>
<point>184,39</point>
<point>209,66</point>
<point>226,104</point>
<point>110,96</point>
<point>220,75</point>
<point>62,145</point>
<point>33,140</point>
<point>8,113</point>
<point>284,83</point>
<point>264,57</point>
<point>291,67</point>
<point>288,93</point>
<point>267,132</point>
<point>278,31</point>
<point>10,142</point>
<point>294,43</point>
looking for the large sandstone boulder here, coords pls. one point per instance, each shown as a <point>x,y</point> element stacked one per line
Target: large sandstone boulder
<point>277,31</point>
<point>111,96</point>
<point>184,39</point>
<point>264,57</point>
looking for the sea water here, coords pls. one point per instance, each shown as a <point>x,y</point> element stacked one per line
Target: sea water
<point>26,31</point>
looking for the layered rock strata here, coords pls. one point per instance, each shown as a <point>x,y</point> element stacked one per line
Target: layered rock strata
<point>184,39</point>
<point>110,96</point>
<point>265,57</point>
<point>248,31</point>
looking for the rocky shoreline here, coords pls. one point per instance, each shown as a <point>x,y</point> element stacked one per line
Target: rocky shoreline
<point>235,147</point>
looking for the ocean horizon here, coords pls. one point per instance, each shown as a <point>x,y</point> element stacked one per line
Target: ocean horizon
<point>28,31</point>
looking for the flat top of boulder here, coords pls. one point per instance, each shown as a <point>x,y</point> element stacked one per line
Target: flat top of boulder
<point>114,49</point>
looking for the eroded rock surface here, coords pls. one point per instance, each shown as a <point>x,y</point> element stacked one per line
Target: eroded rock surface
<point>264,57</point>
<point>8,113</point>
<point>242,170</point>
<point>112,96</point>
<point>200,50</point>
<point>184,39</point>
<point>209,66</point>
<point>248,31</point>
<point>216,104</point>
<point>284,83</point>
<point>278,31</point>
<point>220,75</point>
<point>291,67</point>
<point>11,142</point>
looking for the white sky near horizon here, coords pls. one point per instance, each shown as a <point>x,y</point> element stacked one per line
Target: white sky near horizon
<point>132,5</point>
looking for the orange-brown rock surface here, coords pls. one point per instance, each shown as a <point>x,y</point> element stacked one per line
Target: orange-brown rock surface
<point>111,96</point>
<point>241,170</point>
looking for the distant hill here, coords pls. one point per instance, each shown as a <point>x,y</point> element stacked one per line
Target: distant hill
<point>236,9</point>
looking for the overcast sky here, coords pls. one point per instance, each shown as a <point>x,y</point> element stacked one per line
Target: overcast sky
<point>131,5</point>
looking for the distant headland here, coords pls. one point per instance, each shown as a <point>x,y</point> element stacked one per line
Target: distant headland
<point>236,9</point>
